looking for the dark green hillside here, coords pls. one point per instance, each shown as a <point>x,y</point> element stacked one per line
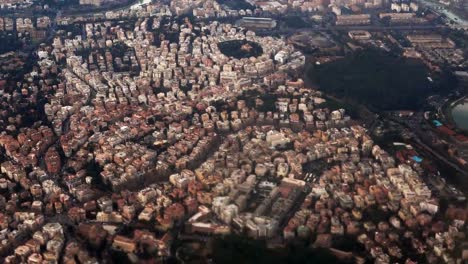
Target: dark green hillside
<point>375,78</point>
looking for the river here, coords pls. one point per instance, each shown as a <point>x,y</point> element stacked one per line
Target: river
<point>459,114</point>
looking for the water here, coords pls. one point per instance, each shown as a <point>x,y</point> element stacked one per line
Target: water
<point>460,114</point>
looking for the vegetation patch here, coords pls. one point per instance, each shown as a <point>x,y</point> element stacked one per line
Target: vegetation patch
<point>236,4</point>
<point>379,80</point>
<point>235,249</point>
<point>240,48</point>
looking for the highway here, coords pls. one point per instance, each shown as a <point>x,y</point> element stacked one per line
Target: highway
<point>415,139</point>
<point>440,157</point>
<point>441,9</point>
<point>291,31</point>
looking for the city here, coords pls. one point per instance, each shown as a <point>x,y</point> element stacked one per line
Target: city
<point>224,131</point>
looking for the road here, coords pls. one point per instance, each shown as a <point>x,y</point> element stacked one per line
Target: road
<point>440,157</point>
<point>114,8</point>
<point>415,139</point>
<point>291,31</point>
<point>439,8</point>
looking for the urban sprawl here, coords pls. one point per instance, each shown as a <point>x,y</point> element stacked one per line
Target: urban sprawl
<point>147,125</point>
